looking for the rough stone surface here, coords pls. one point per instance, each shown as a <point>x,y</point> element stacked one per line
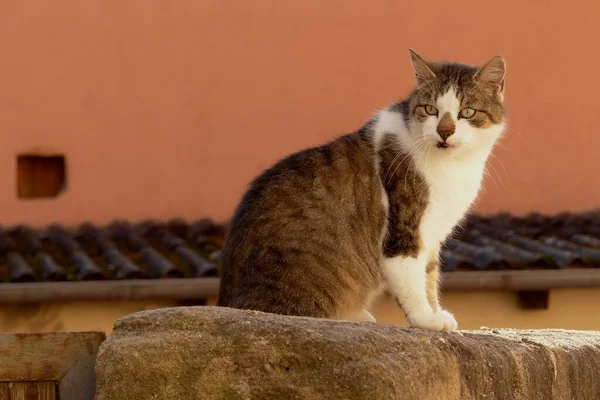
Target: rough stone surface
<point>221,353</point>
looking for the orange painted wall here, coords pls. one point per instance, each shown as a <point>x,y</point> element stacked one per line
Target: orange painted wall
<point>170,108</point>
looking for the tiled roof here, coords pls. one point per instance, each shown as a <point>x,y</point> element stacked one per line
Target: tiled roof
<point>119,251</point>
<point>178,249</point>
<point>533,242</point>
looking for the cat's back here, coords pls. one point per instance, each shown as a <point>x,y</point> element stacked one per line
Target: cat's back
<point>321,178</point>
<point>307,230</point>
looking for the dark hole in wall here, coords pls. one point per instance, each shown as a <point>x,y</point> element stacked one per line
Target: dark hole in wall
<point>40,177</point>
<point>534,299</point>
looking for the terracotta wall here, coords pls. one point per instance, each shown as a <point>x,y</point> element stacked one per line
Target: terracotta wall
<point>170,108</point>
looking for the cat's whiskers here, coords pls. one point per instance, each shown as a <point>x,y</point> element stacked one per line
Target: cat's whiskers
<point>501,163</point>
<point>489,164</point>
<point>391,165</point>
<point>417,144</point>
<point>422,153</point>
<point>399,144</point>
<point>487,173</point>
<point>412,159</point>
<point>508,128</point>
<point>427,157</point>
<point>502,147</point>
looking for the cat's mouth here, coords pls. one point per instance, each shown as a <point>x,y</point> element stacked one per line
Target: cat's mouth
<point>444,145</point>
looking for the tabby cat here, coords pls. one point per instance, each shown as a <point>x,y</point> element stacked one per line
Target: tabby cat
<point>326,231</point>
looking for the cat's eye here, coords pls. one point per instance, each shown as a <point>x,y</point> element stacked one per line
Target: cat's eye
<point>431,110</point>
<point>467,113</point>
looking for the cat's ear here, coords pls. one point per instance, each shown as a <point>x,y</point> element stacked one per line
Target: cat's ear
<point>424,68</point>
<point>492,74</point>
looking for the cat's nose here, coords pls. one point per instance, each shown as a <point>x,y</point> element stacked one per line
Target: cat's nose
<point>445,134</point>
<point>446,126</point>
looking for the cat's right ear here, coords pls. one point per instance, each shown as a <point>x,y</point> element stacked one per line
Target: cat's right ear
<point>492,75</point>
<point>424,68</point>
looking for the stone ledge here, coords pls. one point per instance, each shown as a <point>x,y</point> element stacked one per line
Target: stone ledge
<point>221,353</point>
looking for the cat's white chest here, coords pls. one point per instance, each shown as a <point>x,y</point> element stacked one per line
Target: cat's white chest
<point>452,190</point>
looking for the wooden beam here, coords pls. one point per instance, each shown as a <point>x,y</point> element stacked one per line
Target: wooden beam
<point>31,391</point>
<point>60,359</point>
<point>513,281</point>
<point>142,289</point>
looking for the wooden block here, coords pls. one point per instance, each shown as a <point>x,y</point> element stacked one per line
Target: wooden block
<point>32,391</point>
<point>60,362</point>
<point>4,391</point>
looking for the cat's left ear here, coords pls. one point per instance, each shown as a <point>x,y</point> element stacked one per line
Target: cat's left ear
<point>492,75</point>
<point>424,68</point>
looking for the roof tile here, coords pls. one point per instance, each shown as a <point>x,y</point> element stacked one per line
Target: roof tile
<point>181,249</point>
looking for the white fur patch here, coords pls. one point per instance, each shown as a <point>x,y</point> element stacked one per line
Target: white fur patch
<point>453,175</point>
<point>454,179</point>
<point>389,122</point>
<point>449,102</point>
<point>406,280</point>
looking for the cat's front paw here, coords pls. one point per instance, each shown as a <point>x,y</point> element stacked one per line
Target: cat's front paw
<point>441,321</point>
<point>450,324</point>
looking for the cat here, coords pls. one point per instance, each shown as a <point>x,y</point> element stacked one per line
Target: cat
<point>324,232</point>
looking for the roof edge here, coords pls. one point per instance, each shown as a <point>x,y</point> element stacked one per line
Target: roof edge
<point>520,280</point>
<point>202,288</point>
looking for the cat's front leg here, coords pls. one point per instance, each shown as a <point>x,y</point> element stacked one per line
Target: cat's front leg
<point>432,283</point>
<point>407,279</point>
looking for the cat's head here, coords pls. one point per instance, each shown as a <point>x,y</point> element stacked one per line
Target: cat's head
<point>457,108</point>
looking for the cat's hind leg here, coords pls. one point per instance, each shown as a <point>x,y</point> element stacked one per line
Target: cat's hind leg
<point>366,316</point>
<point>406,278</point>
